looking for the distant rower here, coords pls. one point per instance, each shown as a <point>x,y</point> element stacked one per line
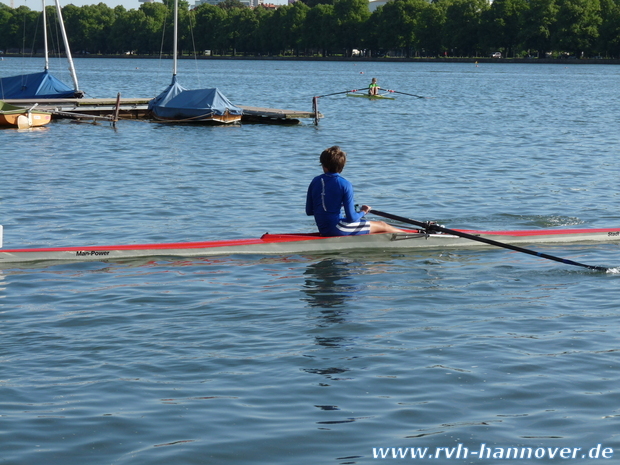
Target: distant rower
<point>373,88</point>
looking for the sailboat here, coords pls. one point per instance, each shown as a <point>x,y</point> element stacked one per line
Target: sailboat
<point>42,85</point>
<point>179,105</point>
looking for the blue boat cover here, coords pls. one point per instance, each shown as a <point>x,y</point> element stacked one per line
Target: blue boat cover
<point>35,85</point>
<point>178,103</point>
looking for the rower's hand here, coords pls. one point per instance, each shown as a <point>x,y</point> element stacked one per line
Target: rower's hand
<point>365,209</point>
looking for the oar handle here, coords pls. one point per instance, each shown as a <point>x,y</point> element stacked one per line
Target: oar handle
<point>431,227</point>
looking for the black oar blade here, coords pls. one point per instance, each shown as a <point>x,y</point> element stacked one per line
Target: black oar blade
<point>430,227</point>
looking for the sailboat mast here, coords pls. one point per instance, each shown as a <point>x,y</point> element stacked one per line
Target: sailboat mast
<point>67,49</point>
<point>176,25</point>
<point>47,60</point>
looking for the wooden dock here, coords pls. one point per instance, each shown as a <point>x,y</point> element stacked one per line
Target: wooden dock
<point>137,108</point>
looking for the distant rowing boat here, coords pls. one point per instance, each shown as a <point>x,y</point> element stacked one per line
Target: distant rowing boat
<point>372,97</point>
<point>288,244</point>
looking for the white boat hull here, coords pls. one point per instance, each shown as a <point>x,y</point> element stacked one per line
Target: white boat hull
<point>290,244</point>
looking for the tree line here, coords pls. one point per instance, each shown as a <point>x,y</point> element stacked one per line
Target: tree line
<point>410,28</point>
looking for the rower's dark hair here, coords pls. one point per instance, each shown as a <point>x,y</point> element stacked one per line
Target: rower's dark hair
<point>333,159</point>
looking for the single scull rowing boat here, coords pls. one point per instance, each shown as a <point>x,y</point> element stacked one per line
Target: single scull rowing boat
<point>286,244</point>
<point>372,97</point>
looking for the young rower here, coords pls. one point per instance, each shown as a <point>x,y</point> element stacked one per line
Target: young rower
<point>373,88</point>
<point>330,192</point>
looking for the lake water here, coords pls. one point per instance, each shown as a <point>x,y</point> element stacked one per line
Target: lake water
<point>315,359</point>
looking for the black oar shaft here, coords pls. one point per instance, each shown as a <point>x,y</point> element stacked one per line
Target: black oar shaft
<point>404,93</point>
<point>434,227</point>
<point>343,92</point>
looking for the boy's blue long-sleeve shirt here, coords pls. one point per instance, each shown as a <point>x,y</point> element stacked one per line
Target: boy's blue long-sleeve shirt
<point>327,194</point>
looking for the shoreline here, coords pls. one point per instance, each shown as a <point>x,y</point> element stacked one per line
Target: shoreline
<point>555,61</point>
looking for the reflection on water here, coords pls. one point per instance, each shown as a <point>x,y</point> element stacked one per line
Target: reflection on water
<point>329,289</point>
<point>326,285</point>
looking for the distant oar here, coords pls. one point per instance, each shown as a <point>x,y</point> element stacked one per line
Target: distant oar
<point>404,93</point>
<point>433,227</point>
<point>344,92</point>
<point>315,102</point>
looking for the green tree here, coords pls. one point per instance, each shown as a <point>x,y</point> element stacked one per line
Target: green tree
<point>89,27</point>
<point>577,26</point>
<point>539,21</point>
<point>462,27</point>
<point>386,27</point>
<point>398,24</point>
<point>501,25</point>
<point>210,27</point>
<point>242,30</point>
<point>287,28</point>
<point>263,34</point>
<point>186,40</point>
<point>292,23</point>
<point>6,16</point>
<point>319,28</point>
<point>427,27</point>
<point>430,27</point>
<point>608,43</point>
<point>351,17</point>
<point>231,5</point>
<point>313,3</point>
<point>21,30</point>
<point>72,16</point>
<point>126,35</point>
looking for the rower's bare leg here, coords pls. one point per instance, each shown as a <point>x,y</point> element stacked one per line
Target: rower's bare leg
<point>383,227</point>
